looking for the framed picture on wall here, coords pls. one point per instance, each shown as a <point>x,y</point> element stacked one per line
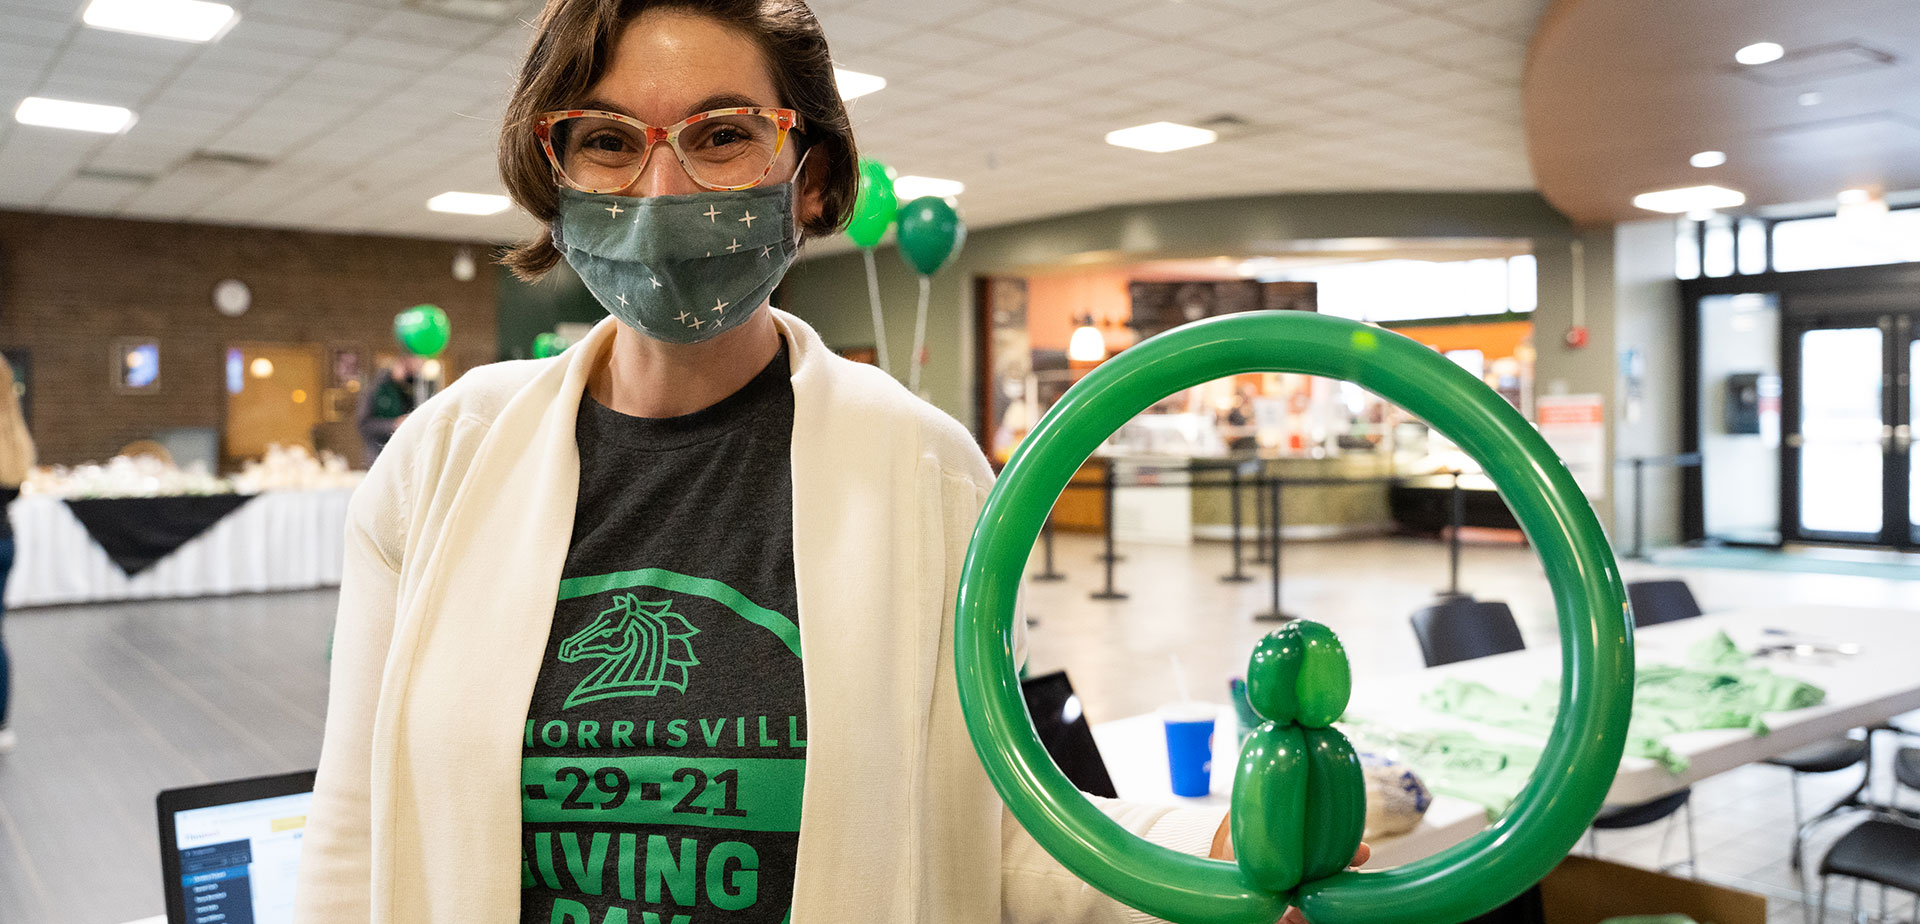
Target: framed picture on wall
<point>343,364</point>
<point>135,365</point>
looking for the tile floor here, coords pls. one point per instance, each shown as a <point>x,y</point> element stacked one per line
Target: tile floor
<point>114,703</point>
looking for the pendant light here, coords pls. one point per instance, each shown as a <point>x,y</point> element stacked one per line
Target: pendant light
<point>1087,344</point>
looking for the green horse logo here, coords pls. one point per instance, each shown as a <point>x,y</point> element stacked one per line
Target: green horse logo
<point>644,646</point>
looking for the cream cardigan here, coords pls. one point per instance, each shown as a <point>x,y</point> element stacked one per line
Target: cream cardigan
<point>455,545</point>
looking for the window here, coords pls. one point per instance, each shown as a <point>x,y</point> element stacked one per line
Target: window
<point>1716,258</point>
<point>136,365</point>
<point>1826,243</point>
<point>1403,290</point>
<point>1686,250</point>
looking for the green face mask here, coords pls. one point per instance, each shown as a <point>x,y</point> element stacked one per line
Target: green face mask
<point>682,269</point>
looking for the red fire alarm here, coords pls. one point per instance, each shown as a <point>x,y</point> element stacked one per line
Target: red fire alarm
<point>1577,336</point>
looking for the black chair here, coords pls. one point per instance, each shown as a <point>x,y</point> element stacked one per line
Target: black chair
<point>1655,602</point>
<point>1829,756</point>
<point>1618,817</point>
<point>1884,849</point>
<point>1461,630</point>
<point>1879,850</point>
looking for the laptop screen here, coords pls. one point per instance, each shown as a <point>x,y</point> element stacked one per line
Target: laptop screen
<point>1064,732</point>
<point>235,862</point>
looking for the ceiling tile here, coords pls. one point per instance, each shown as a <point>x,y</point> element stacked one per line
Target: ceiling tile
<point>1509,18</point>
<point>1010,25</point>
<point>1344,15</point>
<point>849,30</point>
<point>1163,21</point>
<point>40,28</point>
<point>1329,54</point>
<point>1092,42</point>
<point>431,31</point>
<point>303,39</point>
<point>943,49</point>
<point>1411,32</point>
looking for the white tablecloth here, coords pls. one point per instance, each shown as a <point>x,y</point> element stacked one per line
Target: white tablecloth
<point>1135,750</point>
<point>280,540</point>
<point>1872,686</point>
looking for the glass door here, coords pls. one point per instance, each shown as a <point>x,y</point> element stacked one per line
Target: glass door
<point>1909,422</point>
<point>1850,472</point>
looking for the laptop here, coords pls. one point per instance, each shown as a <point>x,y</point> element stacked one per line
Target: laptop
<point>229,851</point>
<point>1064,732</point>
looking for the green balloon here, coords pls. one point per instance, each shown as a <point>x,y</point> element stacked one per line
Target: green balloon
<point>548,344</point>
<point>422,329</point>
<point>875,207</point>
<point>931,232</point>
<point>1269,818</point>
<point>1596,685</point>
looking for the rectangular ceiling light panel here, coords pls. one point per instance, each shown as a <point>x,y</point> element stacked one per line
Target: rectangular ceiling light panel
<point>1161,137</point>
<point>909,188</point>
<point>466,203</point>
<point>180,20</point>
<point>1689,199</point>
<point>84,117</point>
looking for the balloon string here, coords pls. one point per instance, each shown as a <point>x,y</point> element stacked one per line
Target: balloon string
<point>879,322</point>
<point>919,338</point>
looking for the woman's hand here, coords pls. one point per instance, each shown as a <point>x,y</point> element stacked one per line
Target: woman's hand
<point>1223,850</point>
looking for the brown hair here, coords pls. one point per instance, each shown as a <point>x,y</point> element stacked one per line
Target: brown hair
<point>571,50</point>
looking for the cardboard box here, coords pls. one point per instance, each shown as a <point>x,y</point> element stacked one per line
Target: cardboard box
<point>1586,891</point>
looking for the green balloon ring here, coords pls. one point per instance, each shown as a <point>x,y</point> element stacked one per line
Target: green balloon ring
<point>1596,689</point>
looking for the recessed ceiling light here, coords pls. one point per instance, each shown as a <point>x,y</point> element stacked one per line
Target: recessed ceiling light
<point>1708,159</point>
<point>913,187</point>
<point>1759,53</point>
<point>466,203</point>
<point>1676,201</point>
<point>854,84</point>
<point>181,20</point>
<point>1161,137</point>
<point>1854,196</point>
<point>1812,98</point>
<point>85,117</point>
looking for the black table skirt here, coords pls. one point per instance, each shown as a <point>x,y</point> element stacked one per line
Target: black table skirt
<point>136,532</point>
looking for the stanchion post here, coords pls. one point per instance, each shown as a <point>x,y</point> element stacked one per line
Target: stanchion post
<point>1273,548</point>
<point>1639,552</point>
<point>1233,500</point>
<point>1108,593</point>
<point>1107,482</point>
<point>1046,541</point>
<point>1457,519</point>
<point>1259,517</point>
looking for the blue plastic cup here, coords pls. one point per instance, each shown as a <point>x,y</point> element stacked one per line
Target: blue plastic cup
<point>1190,747</point>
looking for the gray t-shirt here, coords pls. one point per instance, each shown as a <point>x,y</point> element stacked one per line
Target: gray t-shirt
<point>665,745</point>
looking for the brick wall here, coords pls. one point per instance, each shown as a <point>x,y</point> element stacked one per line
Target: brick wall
<point>70,287</point>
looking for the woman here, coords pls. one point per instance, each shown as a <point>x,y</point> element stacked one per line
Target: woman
<point>568,684</point>
<point>16,460</point>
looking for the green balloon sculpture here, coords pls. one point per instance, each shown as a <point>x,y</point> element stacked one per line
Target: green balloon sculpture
<point>422,329</point>
<point>548,344</point>
<point>930,233</point>
<point>875,207</point>
<point>1297,774</point>
<point>1296,801</point>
